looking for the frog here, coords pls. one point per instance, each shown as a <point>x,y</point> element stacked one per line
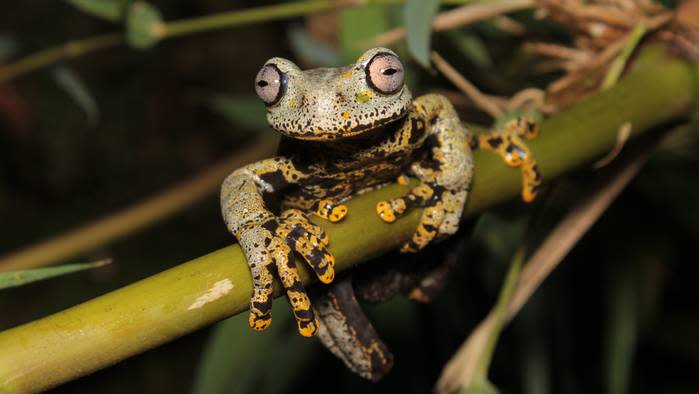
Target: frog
<point>345,131</point>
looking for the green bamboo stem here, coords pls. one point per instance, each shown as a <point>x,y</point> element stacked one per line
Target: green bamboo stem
<point>93,335</point>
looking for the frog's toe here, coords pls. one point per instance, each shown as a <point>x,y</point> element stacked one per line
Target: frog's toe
<point>310,241</point>
<point>453,204</point>
<point>394,208</point>
<point>298,217</point>
<point>428,229</point>
<point>329,210</point>
<point>296,293</point>
<point>257,243</point>
<point>509,143</point>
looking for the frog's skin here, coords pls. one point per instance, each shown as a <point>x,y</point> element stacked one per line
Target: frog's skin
<point>345,131</point>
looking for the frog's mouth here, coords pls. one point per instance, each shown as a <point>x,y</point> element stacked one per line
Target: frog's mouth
<point>345,130</point>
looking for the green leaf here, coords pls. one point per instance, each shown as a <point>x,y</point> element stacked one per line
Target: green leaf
<point>359,24</point>
<point>312,50</point>
<point>111,10</point>
<point>242,110</point>
<point>71,83</point>
<point>483,387</point>
<point>19,278</point>
<point>622,327</point>
<point>144,25</point>
<point>471,46</point>
<point>418,26</point>
<point>238,359</point>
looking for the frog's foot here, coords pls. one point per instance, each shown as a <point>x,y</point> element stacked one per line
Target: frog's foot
<point>441,215</point>
<point>509,144</point>
<point>328,210</point>
<point>268,246</point>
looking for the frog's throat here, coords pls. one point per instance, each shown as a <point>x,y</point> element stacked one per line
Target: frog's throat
<point>341,133</point>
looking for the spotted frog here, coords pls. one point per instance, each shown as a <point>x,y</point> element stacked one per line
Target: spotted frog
<point>345,131</point>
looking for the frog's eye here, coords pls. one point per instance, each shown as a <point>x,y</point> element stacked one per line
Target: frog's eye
<point>270,84</point>
<point>384,73</point>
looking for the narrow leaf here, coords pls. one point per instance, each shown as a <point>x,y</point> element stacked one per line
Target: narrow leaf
<point>73,85</point>
<point>418,26</point>
<point>144,25</point>
<point>622,327</point>
<point>233,356</point>
<point>19,278</point>
<point>484,387</point>
<point>111,10</point>
<point>471,46</point>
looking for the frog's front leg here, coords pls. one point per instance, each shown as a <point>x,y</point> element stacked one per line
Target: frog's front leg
<point>445,176</point>
<point>508,142</point>
<point>269,242</point>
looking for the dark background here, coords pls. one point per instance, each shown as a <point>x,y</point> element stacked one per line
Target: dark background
<point>156,126</point>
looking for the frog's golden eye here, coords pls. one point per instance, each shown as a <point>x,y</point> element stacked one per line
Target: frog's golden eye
<point>384,73</point>
<point>270,84</point>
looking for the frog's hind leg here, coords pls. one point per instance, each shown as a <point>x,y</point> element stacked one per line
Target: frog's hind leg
<point>347,333</point>
<point>508,142</point>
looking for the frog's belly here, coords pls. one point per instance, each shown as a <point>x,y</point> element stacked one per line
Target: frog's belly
<point>342,185</point>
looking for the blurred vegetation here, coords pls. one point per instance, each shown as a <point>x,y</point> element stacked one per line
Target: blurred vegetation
<point>85,135</point>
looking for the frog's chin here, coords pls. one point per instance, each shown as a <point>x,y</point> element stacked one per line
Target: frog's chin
<point>342,133</point>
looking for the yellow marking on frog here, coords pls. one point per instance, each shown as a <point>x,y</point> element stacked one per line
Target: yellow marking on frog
<point>338,213</point>
<point>345,115</point>
<point>347,74</point>
<point>385,212</point>
<point>328,277</point>
<point>258,324</point>
<point>308,329</point>
<point>364,96</point>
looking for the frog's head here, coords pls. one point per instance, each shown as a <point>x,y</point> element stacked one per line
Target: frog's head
<point>325,104</point>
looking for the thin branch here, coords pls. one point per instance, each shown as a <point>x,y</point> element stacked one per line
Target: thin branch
<point>49,56</point>
<point>481,100</point>
<point>98,333</point>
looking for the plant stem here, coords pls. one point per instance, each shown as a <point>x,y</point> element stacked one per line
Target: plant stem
<point>52,55</point>
<point>617,66</point>
<point>98,333</point>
